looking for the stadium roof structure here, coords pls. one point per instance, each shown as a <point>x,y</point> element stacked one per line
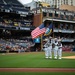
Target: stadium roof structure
<point>59,20</point>
<point>45,4</point>
<point>15,2</point>
<point>14,5</point>
<point>35,4</point>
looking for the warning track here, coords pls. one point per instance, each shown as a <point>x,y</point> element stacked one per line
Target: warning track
<point>37,69</point>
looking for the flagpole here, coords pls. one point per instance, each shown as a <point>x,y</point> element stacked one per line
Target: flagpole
<point>53,28</point>
<point>41,23</point>
<point>41,43</point>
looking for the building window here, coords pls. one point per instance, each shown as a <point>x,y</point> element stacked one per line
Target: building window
<point>64,1</point>
<point>61,16</point>
<point>71,17</point>
<point>67,2</point>
<point>72,2</point>
<point>56,15</point>
<point>44,14</point>
<point>50,14</point>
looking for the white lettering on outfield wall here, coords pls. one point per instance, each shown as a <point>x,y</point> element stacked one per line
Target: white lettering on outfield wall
<point>22,28</point>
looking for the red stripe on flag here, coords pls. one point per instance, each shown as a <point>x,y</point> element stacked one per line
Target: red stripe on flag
<point>37,32</point>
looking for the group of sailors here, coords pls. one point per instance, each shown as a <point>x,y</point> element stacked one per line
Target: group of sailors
<point>53,46</point>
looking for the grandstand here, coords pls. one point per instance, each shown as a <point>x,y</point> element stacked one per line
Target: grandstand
<point>16,24</point>
<point>14,17</point>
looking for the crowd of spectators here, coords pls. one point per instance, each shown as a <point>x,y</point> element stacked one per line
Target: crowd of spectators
<point>25,45</point>
<point>14,22</point>
<point>15,45</point>
<point>69,47</point>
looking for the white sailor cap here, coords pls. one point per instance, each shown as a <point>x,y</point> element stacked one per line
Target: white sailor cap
<point>50,37</point>
<point>55,38</point>
<point>45,40</point>
<point>59,40</point>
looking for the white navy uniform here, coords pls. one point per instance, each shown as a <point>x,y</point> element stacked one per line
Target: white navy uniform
<point>59,50</point>
<point>55,49</point>
<point>47,49</point>
<point>50,49</point>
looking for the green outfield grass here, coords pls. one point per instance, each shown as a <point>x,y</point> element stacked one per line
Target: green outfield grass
<point>35,60</point>
<point>36,73</point>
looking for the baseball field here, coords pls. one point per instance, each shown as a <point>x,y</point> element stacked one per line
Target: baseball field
<point>35,63</point>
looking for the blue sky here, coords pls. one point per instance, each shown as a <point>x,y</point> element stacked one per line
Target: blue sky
<point>27,1</point>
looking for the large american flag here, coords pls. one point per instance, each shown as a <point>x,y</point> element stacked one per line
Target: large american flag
<point>38,31</point>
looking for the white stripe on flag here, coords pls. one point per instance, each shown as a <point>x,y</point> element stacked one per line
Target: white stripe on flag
<point>37,32</point>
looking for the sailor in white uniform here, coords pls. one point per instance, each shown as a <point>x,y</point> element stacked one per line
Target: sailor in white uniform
<point>48,48</point>
<point>55,48</point>
<point>59,49</point>
<point>45,48</point>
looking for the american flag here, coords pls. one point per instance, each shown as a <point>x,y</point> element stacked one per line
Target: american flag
<point>38,31</point>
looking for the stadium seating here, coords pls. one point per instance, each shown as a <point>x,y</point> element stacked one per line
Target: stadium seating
<point>16,45</point>
<point>1,2</point>
<point>66,48</point>
<point>13,2</point>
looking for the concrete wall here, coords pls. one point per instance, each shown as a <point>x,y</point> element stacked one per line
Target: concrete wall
<point>67,7</point>
<point>37,20</point>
